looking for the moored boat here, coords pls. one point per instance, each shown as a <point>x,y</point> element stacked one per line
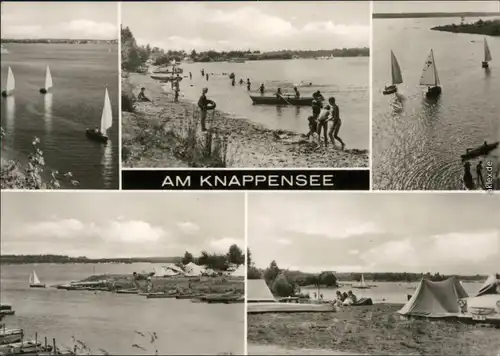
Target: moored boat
<point>9,336</point>
<point>362,284</point>
<point>483,150</point>
<point>166,78</point>
<point>273,100</point>
<point>100,134</point>
<point>35,282</point>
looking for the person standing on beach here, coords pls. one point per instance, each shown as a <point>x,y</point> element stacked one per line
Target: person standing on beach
<point>479,173</point>
<point>249,85</point>
<point>323,118</point>
<point>203,105</point>
<point>232,82</point>
<point>176,93</point>
<point>190,76</point>
<point>333,133</point>
<point>207,76</point>
<point>262,89</point>
<point>203,72</point>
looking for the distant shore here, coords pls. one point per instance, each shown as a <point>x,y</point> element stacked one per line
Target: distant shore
<point>373,329</point>
<point>409,15</point>
<point>57,41</point>
<point>488,28</point>
<point>154,136</point>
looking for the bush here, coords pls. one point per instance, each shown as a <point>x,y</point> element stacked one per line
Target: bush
<point>128,102</point>
<point>14,175</point>
<point>281,287</point>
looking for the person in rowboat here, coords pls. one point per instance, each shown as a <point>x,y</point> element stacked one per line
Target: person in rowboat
<point>333,132</point>
<point>323,118</point>
<point>142,96</point>
<point>262,89</point>
<point>317,95</point>
<point>203,104</point>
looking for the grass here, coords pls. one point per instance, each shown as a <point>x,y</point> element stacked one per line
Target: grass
<point>154,136</point>
<point>372,329</point>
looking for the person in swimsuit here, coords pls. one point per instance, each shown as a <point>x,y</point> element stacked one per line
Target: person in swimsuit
<point>297,93</point>
<point>203,105</point>
<point>479,174</point>
<point>333,133</point>
<point>323,118</point>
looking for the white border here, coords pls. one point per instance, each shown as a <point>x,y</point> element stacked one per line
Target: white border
<point>370,114</point>
<point>245,327</point>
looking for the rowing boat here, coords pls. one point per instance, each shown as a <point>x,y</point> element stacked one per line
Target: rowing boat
<point>285,100</point>
<point>479,151</point>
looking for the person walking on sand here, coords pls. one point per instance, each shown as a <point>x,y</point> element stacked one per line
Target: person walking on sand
<point>479,173</point>
<point>333,132</point>
<point>203,105</point>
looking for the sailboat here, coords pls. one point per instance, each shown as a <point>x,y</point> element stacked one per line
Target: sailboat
<point>34,281</point>
<point>10,85</point>
<point>100,134</point>
<point>396,76</point>
<point>430,77</point>
<point>48,81</point>
<point>487,55</point>
<point>362,284</point>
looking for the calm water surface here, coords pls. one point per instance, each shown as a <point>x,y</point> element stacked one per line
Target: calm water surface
<point>80,74</point>
<point>107,321</point>
<point>386,292</point>
<point>347,79</point>
<point>417,143</point>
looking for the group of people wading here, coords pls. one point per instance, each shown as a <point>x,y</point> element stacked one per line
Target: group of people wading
<point>325,119</point>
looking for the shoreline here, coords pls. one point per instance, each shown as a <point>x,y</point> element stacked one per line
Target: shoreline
<point>250,145</point>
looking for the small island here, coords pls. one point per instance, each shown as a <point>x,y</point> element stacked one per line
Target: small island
<point>480,27</point>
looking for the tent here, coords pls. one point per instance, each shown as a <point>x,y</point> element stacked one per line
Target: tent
<point>239,272</point>
<point>192,269</point>
<point>166,271</point>
<point>435,299</point>
<point>258,291</point>
<point>490,286</point>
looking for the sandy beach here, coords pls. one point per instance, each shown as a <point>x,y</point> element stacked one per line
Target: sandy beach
<point>369,330</point>
<point>147,142</point>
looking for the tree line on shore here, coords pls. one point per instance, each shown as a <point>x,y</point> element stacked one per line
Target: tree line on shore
<point>134,57</point>
<point>58,40</point>
<point>480,27</point>
<point>215,261</point>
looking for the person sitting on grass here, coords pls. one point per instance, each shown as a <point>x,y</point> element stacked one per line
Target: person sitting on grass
<point>142,96</point>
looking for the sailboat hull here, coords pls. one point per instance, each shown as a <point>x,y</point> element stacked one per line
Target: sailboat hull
<point>480,151</point>
<point>391,89</point>
<point>43,91</point>
<point>37,285</point>
<point>484,65</point>
<point>96,136</point>
<point>5,94</point>
<point>433,92</point>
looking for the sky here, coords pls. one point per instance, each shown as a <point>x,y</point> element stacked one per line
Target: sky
<point>261,26</point>
<point>120,224</point>
<point>61,20</point>
<point>376,232</point>
<point>435,6</point>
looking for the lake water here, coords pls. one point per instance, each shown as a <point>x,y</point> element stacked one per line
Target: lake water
<point>108,321</point>
<point>384,292</point>
<point>347,79</point>
<point>80,74</point>
<point>417,143</point>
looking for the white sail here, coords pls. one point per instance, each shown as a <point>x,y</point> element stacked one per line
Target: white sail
<point>487,53</point>
<point>11,82</point>
<point>397,77</point>
<point>429,73</point>
<point>48,79</point>
<point>34,278</point>
<point>107,116</point>
<point>362,284</point>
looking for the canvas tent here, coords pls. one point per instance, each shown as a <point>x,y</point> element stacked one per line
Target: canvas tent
<point>490,286</point>
<point>192,269</point>
<point>258,291</point>
<point>435,299</point>
<point>165,271</point>
<point>239,272</point>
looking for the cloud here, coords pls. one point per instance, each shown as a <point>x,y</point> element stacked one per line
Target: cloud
<point>222,245</point>
<point>188,227</point>
<point>119,230</point>
<point>76,29</point>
